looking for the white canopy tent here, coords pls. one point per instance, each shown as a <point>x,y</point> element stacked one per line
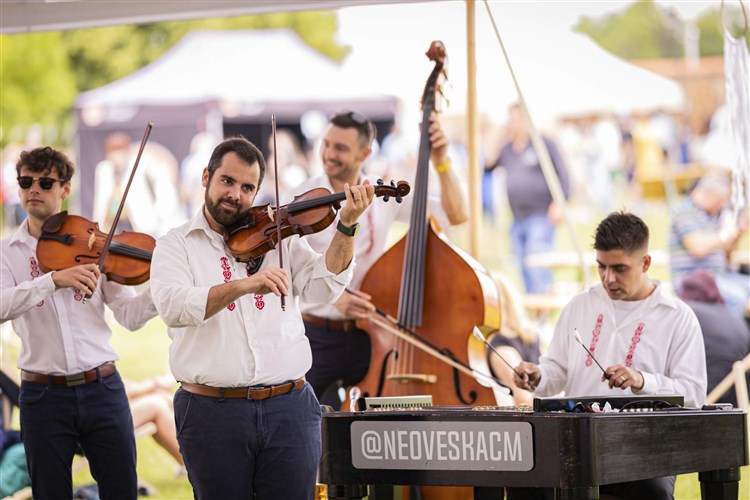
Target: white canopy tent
<point>245,68</point>
<point>221,82</point>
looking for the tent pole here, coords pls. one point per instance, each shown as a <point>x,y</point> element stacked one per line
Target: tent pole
<point>472,135</point>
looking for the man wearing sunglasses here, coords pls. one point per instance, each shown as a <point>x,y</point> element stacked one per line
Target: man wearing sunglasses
<point>341,351</point>
<point>71,393</point>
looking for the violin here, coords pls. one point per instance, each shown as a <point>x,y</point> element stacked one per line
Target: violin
<point>308,213</point>
<point>71,240</point>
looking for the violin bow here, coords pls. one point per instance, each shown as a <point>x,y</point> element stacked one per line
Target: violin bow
<point>108,241</point>
<point>278,204</point>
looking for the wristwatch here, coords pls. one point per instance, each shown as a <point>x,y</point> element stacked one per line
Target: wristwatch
<point>349,231</point>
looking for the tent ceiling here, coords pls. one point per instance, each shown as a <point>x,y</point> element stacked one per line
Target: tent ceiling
<point>19,16</point>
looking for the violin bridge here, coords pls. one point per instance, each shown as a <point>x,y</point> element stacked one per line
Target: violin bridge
<point>270,212</point>
<point>92,240</point>
<point>404,378</point>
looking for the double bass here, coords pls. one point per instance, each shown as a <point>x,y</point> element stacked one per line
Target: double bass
<point>443,294</point>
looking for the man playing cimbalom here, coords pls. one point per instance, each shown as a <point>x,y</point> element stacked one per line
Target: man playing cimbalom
<point>648,340</point>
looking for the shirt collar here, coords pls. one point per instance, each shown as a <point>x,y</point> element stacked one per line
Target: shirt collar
<point>22,235</point>
<point>199,223</point>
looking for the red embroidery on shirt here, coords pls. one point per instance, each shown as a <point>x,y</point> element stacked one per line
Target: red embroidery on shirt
<point>35,272</point>
<point>227,272</point>
<point>259,301</point>
<point>77,294</point>
<point>595,338</point>
<point>633,344</point>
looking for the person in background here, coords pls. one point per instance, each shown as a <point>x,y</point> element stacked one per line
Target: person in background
<point>248,423</point>
<point>534,212</point>
<point>71,391</point>
<point>153,204</point>
<point>151,401</point>
<point>701,237</point>
<point>649,342</point>
<point>726,336</point>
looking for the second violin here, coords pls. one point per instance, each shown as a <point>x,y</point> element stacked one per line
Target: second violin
<point>309,213</point>
<point>70,240</point>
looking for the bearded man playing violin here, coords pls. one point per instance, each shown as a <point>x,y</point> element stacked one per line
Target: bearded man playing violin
<point>71,392</point>
<point>248,422</point>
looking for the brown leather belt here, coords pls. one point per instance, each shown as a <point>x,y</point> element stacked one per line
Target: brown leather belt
<point>346,325</point>
<point>104,370</point>
<point>254,393</point>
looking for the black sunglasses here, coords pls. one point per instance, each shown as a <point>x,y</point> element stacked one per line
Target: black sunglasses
<point>46,183</point>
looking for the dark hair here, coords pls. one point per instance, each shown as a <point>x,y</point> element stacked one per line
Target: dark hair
<point>246,150</point>
<point>352,119</point>
<point>43,160</point>
<point>621,231</point>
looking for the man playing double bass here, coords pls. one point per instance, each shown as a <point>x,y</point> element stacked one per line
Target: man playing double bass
<point>341,351</point>
<point>71,392</point>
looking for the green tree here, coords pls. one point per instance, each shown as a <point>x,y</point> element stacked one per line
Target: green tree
<point>36,83</point>
<point>646,31</point>
<point>642,31</point>
<point>42,73</point>
<point>709,26</point>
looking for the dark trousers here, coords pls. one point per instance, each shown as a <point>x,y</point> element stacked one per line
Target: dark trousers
<point>339,359</point>
<point>56,418</point>
<point>243,449</point>
<point>658,488</point>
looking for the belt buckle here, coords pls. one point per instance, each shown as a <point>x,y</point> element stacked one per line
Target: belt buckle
<point>262,393</point>
<point>74,380</point>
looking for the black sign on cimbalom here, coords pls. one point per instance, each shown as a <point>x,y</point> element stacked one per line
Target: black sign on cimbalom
<point>442,445</point>
<point>491,447</point>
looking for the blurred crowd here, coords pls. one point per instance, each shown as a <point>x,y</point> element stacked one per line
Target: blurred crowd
<point>607,162</point>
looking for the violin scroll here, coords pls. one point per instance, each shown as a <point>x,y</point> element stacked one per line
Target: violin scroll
<point>398,191</point>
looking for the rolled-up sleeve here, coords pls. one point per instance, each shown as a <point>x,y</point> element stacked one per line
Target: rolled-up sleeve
<point>312,280</point>
<point>177,299</point>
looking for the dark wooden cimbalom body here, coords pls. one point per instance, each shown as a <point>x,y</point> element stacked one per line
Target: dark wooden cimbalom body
<point>574,453</point>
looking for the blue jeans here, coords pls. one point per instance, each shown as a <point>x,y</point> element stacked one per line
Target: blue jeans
<point>243,449</point>
<point>535,234</point>
<point>56,418</point>
<point>338,356</point>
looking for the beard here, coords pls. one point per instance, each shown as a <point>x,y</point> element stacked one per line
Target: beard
<point>221,214</point>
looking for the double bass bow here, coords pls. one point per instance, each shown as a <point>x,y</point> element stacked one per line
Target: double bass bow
<point>71,240</point>
<point>443,294</point>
